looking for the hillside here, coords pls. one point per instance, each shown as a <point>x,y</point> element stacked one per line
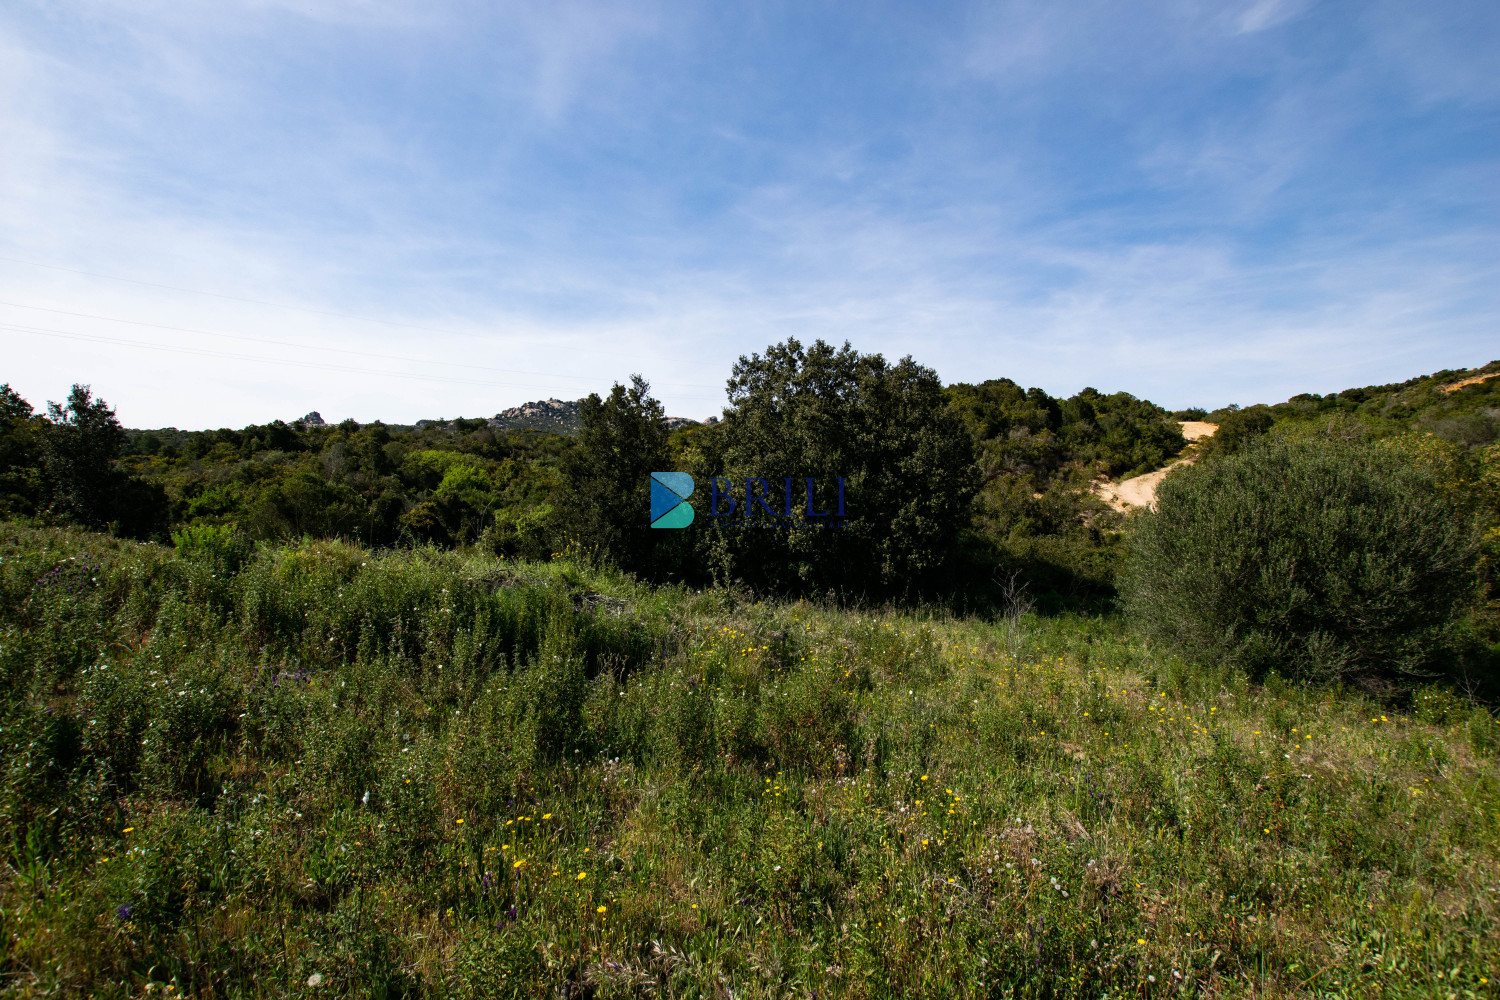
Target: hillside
<point>1459,406</point>
<point>424,774</point>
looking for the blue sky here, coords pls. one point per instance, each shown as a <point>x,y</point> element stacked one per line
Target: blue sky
<point>230,212</point>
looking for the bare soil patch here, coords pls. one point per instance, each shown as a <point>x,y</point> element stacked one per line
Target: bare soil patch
<point>1140,491</point>
<point>1473,380</point>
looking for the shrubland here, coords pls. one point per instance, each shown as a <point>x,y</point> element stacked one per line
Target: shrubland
<point>1461,408</point>
<point>431,711</point>
<point>247,769</point>
<point>958,485</point>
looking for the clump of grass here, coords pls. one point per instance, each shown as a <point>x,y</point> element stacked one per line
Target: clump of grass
<point>326,771</point>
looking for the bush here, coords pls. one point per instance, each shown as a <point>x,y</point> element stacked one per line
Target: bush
<point>1319,559</point>
<point>1237,428</point>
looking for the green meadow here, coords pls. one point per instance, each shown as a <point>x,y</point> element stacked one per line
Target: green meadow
<point>237,770</point>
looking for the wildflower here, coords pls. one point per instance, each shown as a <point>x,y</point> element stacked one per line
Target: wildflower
<point>315,980</point>
<point>127,829</point>
<point>602,909</point>
<point>519,862</point>
<point>460,822</point>
<point>123,911</point>
<point>582,876</point>
<point>546,816</point>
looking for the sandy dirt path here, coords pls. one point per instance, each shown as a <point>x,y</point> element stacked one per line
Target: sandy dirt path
<point>1455,386</point>
<point>1140,491</point>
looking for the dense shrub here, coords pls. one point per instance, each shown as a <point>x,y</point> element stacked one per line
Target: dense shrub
<point>1239,427</point>
<point>1318,559</point>
<point>1029,433</point>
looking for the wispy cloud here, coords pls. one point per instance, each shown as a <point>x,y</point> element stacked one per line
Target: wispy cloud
<point>1190,201</point>
<point>1265,14</point>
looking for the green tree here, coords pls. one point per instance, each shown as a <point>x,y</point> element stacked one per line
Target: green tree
<point>607,493</point>
<point>1318,558</point>
<point>301,502</point>
<point>80,449</point>
<point>905,457</point>
<point>20,455</point>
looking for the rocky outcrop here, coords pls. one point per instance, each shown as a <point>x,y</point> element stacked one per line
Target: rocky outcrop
<point>543,415</point>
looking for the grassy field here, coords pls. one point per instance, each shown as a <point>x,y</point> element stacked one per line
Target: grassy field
<point>321,771</point>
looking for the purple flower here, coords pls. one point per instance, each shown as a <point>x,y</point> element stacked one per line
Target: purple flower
<point>123,911</point>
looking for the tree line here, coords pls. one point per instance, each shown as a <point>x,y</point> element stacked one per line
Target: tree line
<point>1356,534</point>
<point>949,483</point>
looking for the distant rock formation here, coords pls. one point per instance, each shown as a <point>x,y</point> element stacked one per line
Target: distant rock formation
<point>314,419</point>
<point>543,415</point>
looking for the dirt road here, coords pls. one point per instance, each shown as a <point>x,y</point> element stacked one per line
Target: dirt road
<point>1140,491</point>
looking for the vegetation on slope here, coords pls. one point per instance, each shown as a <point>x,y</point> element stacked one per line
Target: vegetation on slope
<point>1465,415</point>
<point>244,770</point>
<point>936,518</point>
<point>1036,514</point>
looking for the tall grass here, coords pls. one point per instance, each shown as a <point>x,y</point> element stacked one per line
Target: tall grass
<point>316,770</point>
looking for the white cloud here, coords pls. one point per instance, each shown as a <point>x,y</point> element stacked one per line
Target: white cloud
<point>979,259</point>
<point>1265,14</point>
